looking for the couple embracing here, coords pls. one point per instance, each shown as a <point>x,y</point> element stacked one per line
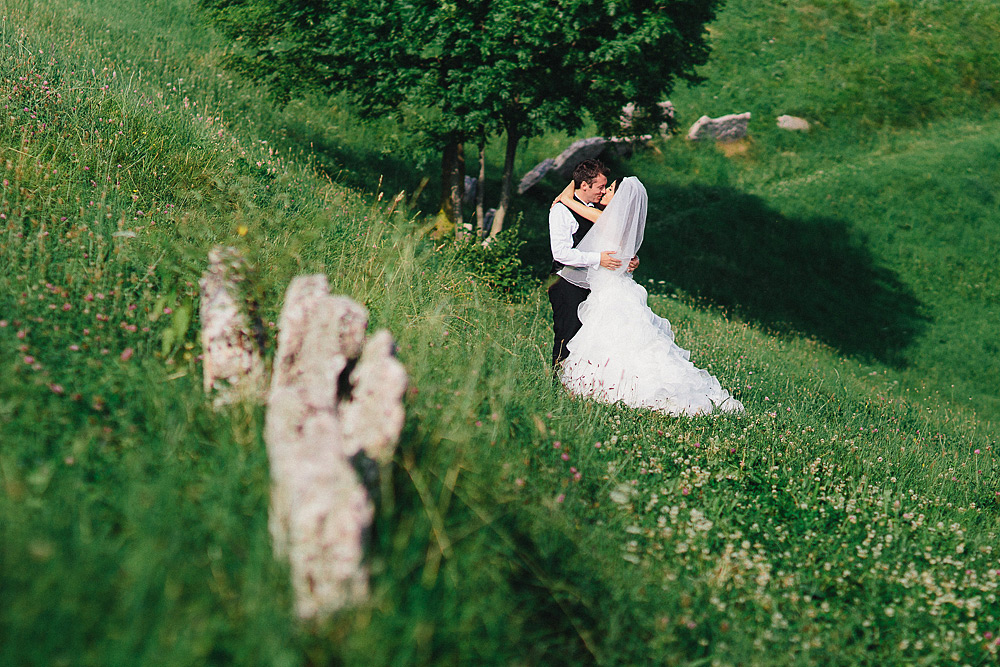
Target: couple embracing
<point>608,344</point>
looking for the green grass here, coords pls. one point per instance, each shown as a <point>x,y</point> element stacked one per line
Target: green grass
<point>850,517</point>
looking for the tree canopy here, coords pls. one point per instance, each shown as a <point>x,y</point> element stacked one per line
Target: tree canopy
<point>472,69</point>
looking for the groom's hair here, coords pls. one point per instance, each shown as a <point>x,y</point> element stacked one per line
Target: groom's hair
<point>588,170</point>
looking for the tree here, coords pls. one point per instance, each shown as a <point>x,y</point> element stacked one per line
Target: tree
<point>474,69</point>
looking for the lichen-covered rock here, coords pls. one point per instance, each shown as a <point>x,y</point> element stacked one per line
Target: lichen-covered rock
<point>332,395</point>
<point>723,128</point>
<point>232,365</point>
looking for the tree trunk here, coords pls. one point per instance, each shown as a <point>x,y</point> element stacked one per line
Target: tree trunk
<point>506,185</point>
<point>481,192</point>
<point>450,212</point>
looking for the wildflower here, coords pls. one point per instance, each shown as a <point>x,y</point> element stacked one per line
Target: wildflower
<point>56,388</point>
<point>561,497</point>
<point>127,354</point>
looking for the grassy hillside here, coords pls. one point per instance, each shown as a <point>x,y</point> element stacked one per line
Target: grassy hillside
<point>874,232</point>
<point>901,164</point>
<point>850,517</point>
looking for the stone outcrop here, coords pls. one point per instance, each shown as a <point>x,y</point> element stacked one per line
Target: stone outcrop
<point>530,179</point>
<point>578,151</point>
<point>793,123</point>
<point>564,163</point>
<point>724,128</point>
<point>232,365</point>
<point>334,398</point>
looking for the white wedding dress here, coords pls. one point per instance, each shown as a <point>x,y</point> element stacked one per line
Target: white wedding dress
<point>624,351</point>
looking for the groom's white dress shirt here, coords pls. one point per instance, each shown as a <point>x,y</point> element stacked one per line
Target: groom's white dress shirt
<point>562,226</point>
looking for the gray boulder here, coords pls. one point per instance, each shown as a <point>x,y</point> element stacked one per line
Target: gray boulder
<point>724,128</point>
<point>578,151</point>
<point>530,179</point>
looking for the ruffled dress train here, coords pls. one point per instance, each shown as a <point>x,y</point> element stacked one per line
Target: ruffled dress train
<point>625,352</point>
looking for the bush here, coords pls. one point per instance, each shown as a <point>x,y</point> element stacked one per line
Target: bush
<point>497,262</point>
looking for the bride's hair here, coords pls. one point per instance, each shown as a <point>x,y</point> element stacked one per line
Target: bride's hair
<point>611,189</point>
<point>588,170</point>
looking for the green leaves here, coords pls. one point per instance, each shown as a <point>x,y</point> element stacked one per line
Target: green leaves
<point>486,65</point>
<point>173,335</point>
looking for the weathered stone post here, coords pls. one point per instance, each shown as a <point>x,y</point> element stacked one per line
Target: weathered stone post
<point>232,363</point>
<point>332,396</point>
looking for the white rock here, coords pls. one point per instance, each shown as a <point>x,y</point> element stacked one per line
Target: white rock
<point>374,417</point>
<point>793,123</point>
<point>232,365</point>
<point>320,510</point>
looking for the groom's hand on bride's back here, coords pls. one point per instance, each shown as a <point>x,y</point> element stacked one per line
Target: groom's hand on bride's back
<point>608,260</point>
<point>633,264</point>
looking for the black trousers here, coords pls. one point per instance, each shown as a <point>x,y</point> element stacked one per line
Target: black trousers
<point>565,298</point>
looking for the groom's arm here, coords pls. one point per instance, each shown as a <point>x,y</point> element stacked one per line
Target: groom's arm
<point>561,240</point>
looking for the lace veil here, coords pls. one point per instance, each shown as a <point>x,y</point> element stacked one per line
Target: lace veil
<point>619,228</point>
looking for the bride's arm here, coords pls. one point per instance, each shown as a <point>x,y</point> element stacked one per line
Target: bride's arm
<point>566,192</point>
<point>566,197</point>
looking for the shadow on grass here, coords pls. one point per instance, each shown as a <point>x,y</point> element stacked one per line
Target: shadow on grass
<point>811,276</point>
<point>471,579</point>
<point>364,169</point>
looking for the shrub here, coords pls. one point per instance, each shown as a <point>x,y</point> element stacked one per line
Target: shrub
<point>497,262</point>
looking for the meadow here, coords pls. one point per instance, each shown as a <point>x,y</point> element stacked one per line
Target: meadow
<point>840,283</point>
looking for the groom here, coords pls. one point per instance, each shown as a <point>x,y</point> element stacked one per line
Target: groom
<point>566,230</point>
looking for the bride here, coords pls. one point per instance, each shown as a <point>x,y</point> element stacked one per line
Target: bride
<point>625,352</point>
